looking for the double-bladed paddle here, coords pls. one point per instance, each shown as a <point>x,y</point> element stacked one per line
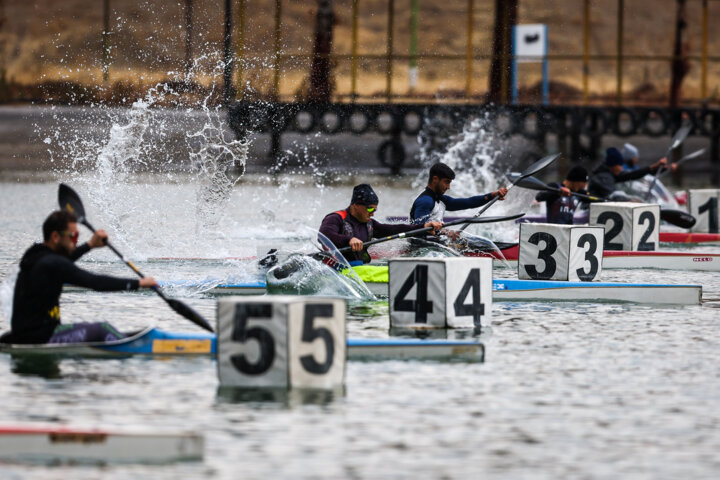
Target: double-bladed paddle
<point>677,140</point>
<point>420,231</point>
<point>673,216</point>
<point>531,170</point>
<point>687,157</point>
<point>69,200</point>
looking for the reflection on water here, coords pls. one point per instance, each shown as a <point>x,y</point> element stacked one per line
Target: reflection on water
<point>282,397</point>
<point>45,366</point>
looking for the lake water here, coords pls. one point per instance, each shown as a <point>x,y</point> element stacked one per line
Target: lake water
<point>567,390</point>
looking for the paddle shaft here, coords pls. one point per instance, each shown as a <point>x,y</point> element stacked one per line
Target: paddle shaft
<point>420,231</point>
<point>677,140</point>
<point>126,262</point>
<point>576,194</point>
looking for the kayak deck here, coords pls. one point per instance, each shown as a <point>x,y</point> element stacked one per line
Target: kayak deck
<point>156,342</point>
<point>43,443</point>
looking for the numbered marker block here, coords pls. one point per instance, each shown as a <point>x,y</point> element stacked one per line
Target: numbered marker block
<point>281,342</point>
<point>703,205</point>
<point>628,226</point>
<point>440,292</point>
<point>560,252</point>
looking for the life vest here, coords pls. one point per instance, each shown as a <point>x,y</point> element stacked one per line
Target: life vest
<point>348,229</point>
<point>438,212</point>
<point>363,256</point>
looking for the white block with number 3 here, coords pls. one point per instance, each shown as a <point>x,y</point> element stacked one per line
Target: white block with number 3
<point>450,292</point>
<point>628,225</point>
<point>703,205</point>
<point>281,342</point>
<point>560,252</point>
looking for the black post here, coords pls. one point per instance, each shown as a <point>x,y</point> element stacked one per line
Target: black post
<point>188,34</point>
<point>227,59</point>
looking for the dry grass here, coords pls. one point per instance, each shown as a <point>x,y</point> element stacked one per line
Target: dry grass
<point>52,50</point>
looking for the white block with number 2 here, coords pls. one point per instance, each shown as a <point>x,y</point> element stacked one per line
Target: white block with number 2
<point>560,252</point>
<point>703,205</point>
<point>628,225</point>
<point>281,342</point>
<point>453,292</point>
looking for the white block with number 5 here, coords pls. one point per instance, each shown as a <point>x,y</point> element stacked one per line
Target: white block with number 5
<point>703,205</point>
<point>628,226</point>
<point>451,292</point>
<point>281,342</point>
<point>560,252</point>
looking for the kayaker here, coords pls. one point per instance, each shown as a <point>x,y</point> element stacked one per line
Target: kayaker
<point>605,177</point>
<point>431,204</point>
<point>561,206</point>
<point>355,225</point>
<point>44,269</point>
<point>631,156</point>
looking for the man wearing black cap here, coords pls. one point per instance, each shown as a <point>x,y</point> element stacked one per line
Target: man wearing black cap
<point>561,206</point>
<point>432,203</point>
<point>604,177</point>
<point>354,226</point>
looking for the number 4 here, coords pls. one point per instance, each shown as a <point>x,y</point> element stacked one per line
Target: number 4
<point>474,308</point>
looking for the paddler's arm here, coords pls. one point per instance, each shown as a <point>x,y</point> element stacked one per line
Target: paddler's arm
<point>387,229</point>
<point>96,241</point>
<point>454,204</point>
<point>331,227</point>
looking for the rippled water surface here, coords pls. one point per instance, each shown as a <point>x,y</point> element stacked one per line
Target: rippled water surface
<point>567,390</point>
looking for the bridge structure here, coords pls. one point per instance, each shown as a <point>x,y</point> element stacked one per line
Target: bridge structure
<point>579,129</point>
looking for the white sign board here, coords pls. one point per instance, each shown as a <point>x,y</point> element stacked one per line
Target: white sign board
<point>560,252</point>
<point>628,226</point>
<point>440,292</point>
<point>281,342</point>
<point>530,42</point>
<point>703,205</point>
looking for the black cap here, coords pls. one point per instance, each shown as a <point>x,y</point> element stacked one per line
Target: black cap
<point>577,174</point>
<point>613,157</point>
<point>363,194</point>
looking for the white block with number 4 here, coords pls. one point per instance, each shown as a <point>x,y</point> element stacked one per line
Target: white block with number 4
<point>703,205</point>
<point>451,292</point>
<point>560,252</point>
<point>281,342</point>
<point>628,226</point>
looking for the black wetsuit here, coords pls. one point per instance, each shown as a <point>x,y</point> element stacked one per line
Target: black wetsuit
<point>340,227</point>
<point>36,302</point>
<point>602,182</point>
<point>560,209</point>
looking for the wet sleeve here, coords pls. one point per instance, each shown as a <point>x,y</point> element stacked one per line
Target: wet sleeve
<point>547,196</point>
<point>454,204</point>
<point>72,274</point>
<point>387,229</point>
<point>626,175</point>
<point>332,228</point>
<point>423,207</point>
<point>79,251</point>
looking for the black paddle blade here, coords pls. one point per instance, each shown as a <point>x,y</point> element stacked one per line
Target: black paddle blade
<point>539,165</point>
<point>678,218</point>
<point>189,313</point>
<point>70,201</point>
<point>504,218</point>
<point>531,183</point>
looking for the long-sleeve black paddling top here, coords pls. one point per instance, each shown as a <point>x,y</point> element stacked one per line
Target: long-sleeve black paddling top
<point>36,302</point>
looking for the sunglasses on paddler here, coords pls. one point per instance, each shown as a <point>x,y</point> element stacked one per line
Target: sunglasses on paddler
<point>73,235</point>
<point>371,209</point>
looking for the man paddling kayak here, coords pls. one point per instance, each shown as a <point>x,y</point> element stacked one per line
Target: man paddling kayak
<point>355,225</point>
<point>561,205</point>
<point>431,204</point>
<point>44,268</point>
<point>606,176</point>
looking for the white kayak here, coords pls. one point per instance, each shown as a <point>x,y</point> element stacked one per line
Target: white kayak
<point>512,290</point>
<point>52,443</point>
